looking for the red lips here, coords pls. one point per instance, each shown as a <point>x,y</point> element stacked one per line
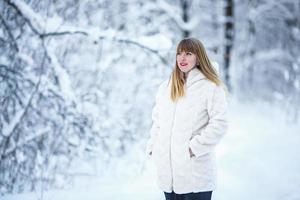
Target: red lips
<point>183,64</point>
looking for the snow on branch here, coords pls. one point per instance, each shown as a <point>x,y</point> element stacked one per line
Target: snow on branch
<point>8,128</point>
<point>173,13</point>
<point>177,18</point>
<point>10,35</point>
<point>28,139</point>
<point>38,26</point>
<point>141,45</point>
<point>36,23</point>
<point>282,11</point>
<point>27,13</point>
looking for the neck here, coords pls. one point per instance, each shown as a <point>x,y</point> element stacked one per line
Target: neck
<point>187,73</point>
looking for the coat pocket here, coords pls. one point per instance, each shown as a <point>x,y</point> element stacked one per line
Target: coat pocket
<point>203,167</point>
<point>154,149</point>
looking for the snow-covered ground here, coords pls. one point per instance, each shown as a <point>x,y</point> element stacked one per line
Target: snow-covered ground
<point>258,159</point>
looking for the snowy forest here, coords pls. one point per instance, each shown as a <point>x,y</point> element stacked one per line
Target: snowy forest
<point>78,80</point>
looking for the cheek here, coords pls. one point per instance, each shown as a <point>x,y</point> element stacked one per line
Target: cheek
<point>192,61</point>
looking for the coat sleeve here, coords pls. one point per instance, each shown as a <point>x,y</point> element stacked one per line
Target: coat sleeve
<point>217,126</point>
<point>155,126</point>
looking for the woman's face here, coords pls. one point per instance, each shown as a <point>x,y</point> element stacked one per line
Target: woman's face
<point>186,61</point>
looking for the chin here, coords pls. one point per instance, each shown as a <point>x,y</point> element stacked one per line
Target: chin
<point>185,70</point>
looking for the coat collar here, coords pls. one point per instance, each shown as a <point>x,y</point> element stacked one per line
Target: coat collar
<point>194,75</point>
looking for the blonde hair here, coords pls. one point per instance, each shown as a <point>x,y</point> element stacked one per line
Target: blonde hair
<point>178,79</point>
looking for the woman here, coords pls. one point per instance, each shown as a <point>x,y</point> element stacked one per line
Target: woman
<point>189,119</point>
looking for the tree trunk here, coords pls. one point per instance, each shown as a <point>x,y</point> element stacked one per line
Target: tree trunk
<point>229,38</point>
<point>185,6</point>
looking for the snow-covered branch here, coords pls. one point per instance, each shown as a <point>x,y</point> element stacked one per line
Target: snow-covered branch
<point>28,139</point>
<point>173,13</point>
<point>38,26</point>
<point>12,38</point>
<point>176,16</point>
<point>8,128</point>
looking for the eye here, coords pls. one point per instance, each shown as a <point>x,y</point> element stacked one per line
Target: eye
<point>189,53</point>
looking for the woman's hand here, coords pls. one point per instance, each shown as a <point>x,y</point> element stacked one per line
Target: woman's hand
<point>191,153</point>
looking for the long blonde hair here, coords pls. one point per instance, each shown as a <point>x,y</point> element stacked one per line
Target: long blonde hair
<point>178,79</point>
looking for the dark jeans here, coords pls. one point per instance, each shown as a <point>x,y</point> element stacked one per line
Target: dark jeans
<point>189,196</point>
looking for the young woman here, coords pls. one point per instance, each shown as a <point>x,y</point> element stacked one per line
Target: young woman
<point>189,119</point>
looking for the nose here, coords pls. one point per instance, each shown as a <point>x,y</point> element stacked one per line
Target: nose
<point>182,58</point>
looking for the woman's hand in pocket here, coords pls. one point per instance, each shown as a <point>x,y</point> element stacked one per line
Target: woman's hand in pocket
<point>191,153</point>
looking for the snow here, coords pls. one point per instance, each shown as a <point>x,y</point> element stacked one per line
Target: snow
<point>63,76</point>
<point>91,188</point>
<point>282,11</point>
<point>106,60</point>
<point>8,128</point>
<point>38,23</point>
<point>262,158</point>
<point>172,13</point>
<point>36,20</point>
<point>297,84</point>
<point>272,54</point>
<point>53,23</point>
<point>216,66</point>
<point>158,42</point>
<point>257,159</point>
<point>26,58</point>
<point>27,140</point>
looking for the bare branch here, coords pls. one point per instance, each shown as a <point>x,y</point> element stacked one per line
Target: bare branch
<point>53,34</point>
